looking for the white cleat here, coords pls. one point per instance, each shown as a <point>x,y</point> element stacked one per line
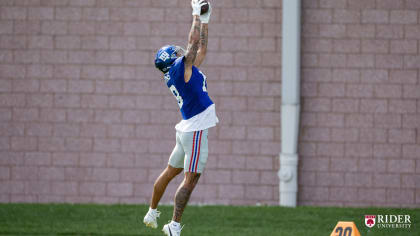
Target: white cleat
<point>169,230</point>
<point>150,220</point>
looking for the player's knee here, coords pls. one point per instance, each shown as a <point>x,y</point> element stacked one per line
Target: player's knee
<point>172,172</point>
<point>191,179</point>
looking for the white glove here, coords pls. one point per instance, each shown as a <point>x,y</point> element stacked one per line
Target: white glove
<point>196,7</point>
<point>205,18</point>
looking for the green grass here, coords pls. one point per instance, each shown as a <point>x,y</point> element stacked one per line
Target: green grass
<point>67,219</point>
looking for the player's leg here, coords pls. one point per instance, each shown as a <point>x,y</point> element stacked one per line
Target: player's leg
<point>196,153</point>
<point>183,194</point>
<point>193,167</point>
<point>175,166</point>
<point>161,183</point>
<point>158,190</point>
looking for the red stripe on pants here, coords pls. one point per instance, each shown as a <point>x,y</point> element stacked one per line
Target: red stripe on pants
<point>192,153</point>
<point>198,157</point>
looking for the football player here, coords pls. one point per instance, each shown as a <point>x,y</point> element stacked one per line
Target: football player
<point>189,86</point>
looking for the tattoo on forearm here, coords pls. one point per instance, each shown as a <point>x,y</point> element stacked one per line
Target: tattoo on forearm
<point>181,199</point>
<point>204,33</point>
<point>192,52</point>
<point>194,40</point>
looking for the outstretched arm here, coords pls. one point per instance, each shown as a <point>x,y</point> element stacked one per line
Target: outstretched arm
<point>204,35</point>
<point>193,41</point>
<point>201,54</point>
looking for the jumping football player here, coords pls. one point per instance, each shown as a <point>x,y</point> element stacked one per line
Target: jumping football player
<point>189,86</point>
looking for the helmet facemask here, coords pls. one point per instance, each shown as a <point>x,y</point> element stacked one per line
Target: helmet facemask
<point>179,51</point>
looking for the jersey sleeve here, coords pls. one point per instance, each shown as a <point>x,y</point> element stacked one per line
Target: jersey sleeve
<point>177,69</point>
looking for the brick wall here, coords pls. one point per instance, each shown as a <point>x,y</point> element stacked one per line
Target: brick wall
<point>85,117</point>
<point>360,141</point>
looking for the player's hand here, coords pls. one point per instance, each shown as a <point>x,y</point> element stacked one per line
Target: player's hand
<point>196,7</point>
<point>205,18</point>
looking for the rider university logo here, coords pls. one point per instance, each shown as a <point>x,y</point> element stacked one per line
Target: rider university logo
<point>370,220</point>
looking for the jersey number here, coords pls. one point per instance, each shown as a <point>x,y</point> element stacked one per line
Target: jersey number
<point>177,96</point>
<point>204,82</point>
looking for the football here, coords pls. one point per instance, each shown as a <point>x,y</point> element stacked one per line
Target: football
<point>205,7</point>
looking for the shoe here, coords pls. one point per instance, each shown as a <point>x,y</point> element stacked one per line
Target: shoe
<point>169,230</point>
<point>150,220</point>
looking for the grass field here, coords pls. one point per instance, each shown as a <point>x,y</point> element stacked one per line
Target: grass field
<point>67,219</point>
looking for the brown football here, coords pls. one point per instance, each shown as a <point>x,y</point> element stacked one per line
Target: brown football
<point>205,7</point>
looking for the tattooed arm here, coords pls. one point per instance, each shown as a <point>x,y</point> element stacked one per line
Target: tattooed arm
<point>193,45</point>
<point>204,35</point>
<point>201,54</point>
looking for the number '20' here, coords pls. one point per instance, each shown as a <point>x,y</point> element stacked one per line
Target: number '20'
<point>346,232</point>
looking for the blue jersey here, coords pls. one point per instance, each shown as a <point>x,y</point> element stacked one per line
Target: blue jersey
<point>192,96</point>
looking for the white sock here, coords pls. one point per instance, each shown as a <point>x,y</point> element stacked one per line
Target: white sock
<point>175,224</point>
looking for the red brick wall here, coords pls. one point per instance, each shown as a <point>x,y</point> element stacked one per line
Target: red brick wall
<point>85,117</point>
<point>360,141</point>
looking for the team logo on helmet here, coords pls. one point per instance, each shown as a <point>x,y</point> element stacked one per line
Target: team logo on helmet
<point>164,56</point>
<point>370,220</point>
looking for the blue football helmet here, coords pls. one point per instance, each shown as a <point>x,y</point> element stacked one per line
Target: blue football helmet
<point>165,57</point>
